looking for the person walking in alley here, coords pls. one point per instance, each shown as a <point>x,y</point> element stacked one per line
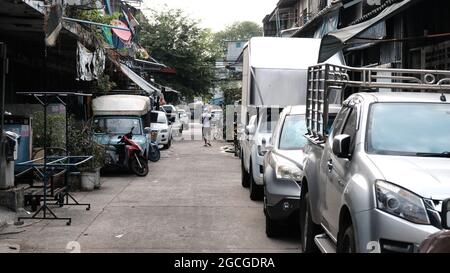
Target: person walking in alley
<point>206,127</point>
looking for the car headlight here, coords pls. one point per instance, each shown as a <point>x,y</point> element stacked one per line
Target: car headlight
<point>164,131</point>
<point>400,202</point>
<point>288,172</point>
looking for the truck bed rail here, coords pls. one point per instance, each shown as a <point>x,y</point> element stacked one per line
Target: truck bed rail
<point>326,78</point>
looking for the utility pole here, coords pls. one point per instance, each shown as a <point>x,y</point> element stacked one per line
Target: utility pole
<point>3,163</point>
<point>3,71</point>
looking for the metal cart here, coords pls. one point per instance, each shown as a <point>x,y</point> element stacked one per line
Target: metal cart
<point>48,166</point>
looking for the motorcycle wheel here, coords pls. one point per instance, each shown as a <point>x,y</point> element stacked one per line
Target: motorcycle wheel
<point>136,168</point>
<point>154,155</point>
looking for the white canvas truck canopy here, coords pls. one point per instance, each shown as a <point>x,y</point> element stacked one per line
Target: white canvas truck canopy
<point>277,70</point>
<point>121,105</point>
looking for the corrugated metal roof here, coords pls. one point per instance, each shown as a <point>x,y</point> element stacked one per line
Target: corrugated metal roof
<point>139,80</point>
<point>336,40</point>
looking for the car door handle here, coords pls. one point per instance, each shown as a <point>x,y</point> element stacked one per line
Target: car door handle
<point>330,165</point>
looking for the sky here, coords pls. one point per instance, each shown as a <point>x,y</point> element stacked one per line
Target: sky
<point>216,14</point>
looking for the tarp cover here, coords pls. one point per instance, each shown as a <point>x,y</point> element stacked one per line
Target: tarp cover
<point>121,105</point>
<point>335,41</point>
<point>124,35</point>
<point>139,80</point>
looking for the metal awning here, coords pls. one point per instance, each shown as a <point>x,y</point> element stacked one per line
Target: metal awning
<point>145,85</point>
<point>335,41</point>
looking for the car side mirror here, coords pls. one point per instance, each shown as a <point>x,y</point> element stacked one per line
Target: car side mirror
<point>267,145</point>
<point>341,146</point>
<point>446,214</point>
<point>147,130</point>
<point>250,129</point>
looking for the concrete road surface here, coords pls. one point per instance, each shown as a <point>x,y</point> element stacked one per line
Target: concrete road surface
<point>192,201</point>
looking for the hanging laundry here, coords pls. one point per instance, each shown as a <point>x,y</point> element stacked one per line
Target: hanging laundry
<point>90,65</point>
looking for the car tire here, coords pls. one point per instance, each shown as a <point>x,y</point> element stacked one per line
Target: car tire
<point>308,229</point>
<point>256,192</point>
<point>167,146</point>
<point>347,244</point>
<point>244,176</point>
<point>273,229</point>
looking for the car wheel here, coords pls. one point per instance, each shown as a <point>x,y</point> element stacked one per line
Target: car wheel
<point>244,176</point>
<point>347,243</point>
<point>167,146</point>
<point>272,228</point>
<point>308,229</point>
<point>256,192</point>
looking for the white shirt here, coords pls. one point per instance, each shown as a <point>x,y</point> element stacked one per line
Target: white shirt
<point>206,120</point>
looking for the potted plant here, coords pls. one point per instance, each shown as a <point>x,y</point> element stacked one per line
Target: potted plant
<point>81,143</point>
<point>90,171</point>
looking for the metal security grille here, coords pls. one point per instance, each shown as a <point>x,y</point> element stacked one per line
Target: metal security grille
<point>325,78</point>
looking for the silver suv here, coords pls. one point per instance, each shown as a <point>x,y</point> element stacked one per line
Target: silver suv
<point>378,182</point>
<point>283,170</point>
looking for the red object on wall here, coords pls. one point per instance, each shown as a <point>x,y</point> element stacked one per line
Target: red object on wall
<point>124,35</point>
<point>162,101</point>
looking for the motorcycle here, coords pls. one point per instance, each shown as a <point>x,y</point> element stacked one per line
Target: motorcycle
<point>128,154</point>
<point>154,154</point>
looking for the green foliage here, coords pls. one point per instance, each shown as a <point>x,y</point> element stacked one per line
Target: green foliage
<point>177,41</point>
<point>79,135</point>
<point>96,16</point>
<point>81,143</point>
<point>238,31</point>
<point>232,91</point>
<point>104,84</point>
<point>55,125</point>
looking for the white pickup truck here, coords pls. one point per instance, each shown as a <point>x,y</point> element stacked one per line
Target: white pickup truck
<point>377,181</point>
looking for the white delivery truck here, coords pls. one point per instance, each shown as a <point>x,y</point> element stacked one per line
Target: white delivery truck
<point>274,76</point>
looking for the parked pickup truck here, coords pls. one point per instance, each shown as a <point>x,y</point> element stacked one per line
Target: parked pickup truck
<point>377,181</point>
<point>116,115</point>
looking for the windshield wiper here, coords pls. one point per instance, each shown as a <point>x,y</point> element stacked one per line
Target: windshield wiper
<point>443,154</point>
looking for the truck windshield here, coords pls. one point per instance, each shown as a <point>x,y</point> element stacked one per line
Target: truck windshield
<point>414,129</point>
<point>292,135</point>
<point>117,125</point>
